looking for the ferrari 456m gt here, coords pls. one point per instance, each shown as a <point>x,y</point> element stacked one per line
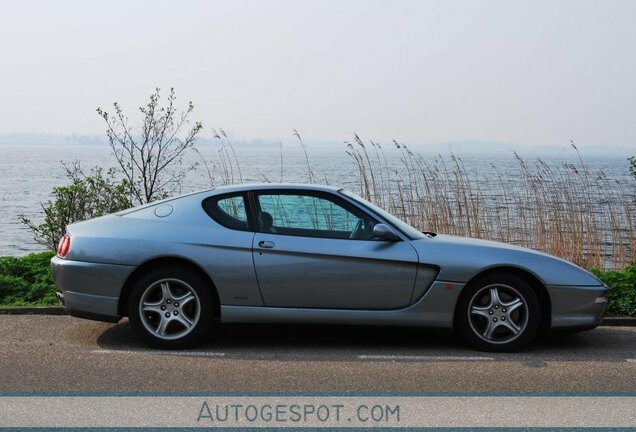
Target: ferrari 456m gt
<point>310,254</point>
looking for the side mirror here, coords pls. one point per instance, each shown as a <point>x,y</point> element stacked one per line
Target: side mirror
<point>385,232</point>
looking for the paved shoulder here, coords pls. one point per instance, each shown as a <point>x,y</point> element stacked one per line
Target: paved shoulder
<point>60,353</point>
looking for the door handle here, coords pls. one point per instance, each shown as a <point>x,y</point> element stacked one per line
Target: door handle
<point>266,244</point>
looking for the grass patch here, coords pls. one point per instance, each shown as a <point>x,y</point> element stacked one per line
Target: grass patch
<point>26,281</point>
<point>622,293</point>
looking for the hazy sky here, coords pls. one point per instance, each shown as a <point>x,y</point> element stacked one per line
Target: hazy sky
<point>520,72</point>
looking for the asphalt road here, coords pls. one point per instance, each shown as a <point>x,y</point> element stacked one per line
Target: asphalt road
<point>60,353</point>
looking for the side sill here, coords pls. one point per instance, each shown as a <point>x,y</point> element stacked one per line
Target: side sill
<point>436,309</point>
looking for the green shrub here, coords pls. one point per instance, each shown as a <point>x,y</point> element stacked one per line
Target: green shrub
<point>27,280</point>
<point>622,293</point>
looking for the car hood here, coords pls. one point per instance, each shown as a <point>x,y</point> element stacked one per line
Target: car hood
<point>461,258</point>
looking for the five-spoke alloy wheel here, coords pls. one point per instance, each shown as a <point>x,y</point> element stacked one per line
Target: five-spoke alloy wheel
<point>499,313</point>
<point>171,307</point>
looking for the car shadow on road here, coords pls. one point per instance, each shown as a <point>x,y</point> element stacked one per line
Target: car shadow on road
<point>332,343</point>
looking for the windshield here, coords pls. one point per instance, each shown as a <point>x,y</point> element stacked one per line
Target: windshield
<point>407,229</point>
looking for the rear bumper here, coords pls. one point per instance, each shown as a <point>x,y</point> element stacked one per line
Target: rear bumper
<point>577,307</point>
<point>89,290</point>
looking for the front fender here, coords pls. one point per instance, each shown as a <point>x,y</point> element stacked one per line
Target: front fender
<point>461,259</point>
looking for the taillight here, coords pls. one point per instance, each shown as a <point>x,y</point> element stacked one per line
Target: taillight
<point>63,246</point>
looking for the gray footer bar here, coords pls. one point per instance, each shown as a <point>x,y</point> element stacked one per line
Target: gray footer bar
<point>282,411</point>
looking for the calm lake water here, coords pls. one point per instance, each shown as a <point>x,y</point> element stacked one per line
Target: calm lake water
<point>29,172</point>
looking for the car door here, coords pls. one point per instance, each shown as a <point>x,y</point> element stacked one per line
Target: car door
<point>316,250</point>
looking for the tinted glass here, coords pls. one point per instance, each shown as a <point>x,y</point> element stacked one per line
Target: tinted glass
<point>311,216</point>
<point>229,211</point>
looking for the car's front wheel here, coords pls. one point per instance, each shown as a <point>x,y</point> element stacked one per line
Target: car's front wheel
<point>171,307</point>
<point>499,313</point>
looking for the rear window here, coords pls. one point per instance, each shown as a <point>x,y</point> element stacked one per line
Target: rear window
<point>228,210</point>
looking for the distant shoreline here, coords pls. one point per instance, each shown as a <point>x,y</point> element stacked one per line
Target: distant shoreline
<point>460,148</point>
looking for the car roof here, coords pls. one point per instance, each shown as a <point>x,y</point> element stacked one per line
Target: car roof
<point>270,186</point>
<point>233,188</point>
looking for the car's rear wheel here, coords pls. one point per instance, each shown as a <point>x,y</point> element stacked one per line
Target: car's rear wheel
<point>499,313</point>
<point>171,307</point>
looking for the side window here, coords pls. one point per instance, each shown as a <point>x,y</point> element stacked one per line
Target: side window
<point>228,210</point>
<point>311,216</point>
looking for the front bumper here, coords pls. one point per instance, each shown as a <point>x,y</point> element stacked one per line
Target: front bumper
<point>89,290</point>
<point>577,307</point>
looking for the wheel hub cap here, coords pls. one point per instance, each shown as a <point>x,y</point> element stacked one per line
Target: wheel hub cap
<point>498,313</point>
<point>169,309</point>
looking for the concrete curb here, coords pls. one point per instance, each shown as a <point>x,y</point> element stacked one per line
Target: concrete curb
<point>57,310</point>
<point>619,321</point>
<point>32,310</point>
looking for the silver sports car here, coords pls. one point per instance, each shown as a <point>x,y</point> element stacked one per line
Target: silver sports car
<point>309,254</point>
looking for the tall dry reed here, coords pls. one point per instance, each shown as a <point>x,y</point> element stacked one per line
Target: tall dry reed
<point>565,210</point>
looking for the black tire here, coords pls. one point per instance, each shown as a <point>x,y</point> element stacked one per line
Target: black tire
<point>164,323</point>
<point>488,323</point>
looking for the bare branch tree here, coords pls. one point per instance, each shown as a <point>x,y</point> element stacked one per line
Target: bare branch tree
<point>151,158</point>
